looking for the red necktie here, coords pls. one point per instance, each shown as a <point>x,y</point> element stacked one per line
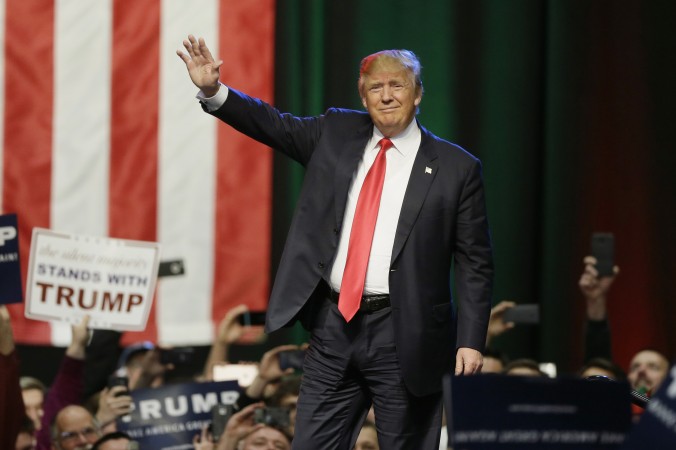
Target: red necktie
<point>361,235</point>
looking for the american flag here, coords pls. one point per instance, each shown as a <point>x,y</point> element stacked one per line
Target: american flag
<point>102,136</point>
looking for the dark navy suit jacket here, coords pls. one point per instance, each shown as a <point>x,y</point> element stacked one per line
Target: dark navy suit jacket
<point>442,225</point>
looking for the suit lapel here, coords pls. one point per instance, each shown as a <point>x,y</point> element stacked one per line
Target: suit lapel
<point>423,173</point>
<point>347,164</point>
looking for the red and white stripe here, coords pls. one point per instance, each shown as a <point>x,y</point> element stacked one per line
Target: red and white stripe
<point>102,136</point>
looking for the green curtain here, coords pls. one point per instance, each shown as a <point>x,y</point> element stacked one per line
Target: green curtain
<point>568,103</point>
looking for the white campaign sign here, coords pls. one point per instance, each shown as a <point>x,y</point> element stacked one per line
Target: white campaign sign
<point>111,280</point>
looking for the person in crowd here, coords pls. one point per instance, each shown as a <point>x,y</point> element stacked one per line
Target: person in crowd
<point>269,373</point>
<point>523,367</point>
<point>114,402</point>
<point>368,437</point>
<point>74,428</point>
<point>496,322</point>
<point>115,441</point>
<point>33,393</point>
<point>432,216</point>
<point>602,367</point>
<point>494,361</point>
<point>649,367</point>
<point>595,291</point>
<point>286,396</point>
<point>66,389</point>
<point>12,412</point>
<point>647,370</point>
<point>26,438</point>
<point>229,331</point>
<point>243,433</point>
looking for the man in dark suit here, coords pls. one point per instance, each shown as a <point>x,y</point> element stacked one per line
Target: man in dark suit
<point>382,320</point>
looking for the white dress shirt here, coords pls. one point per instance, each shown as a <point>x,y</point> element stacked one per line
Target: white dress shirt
<point>400,160</point>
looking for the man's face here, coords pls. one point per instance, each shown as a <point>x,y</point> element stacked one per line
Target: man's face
<point>76,429</point>
<point>266,438</point>
<point>390,96</point>
<point>647,370</point>
<point>32,400</point>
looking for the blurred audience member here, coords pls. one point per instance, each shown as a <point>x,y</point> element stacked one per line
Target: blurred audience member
<point>496,323</point>
<point>243,433</point>
<point>647,370</point>
<point>269,373</point>
<point>67,387</point>
<point>494,361</point>
<point>602,367</point>
<point>74,428</point>
<point>33,393</point>
<point>26,438</point>
<point>114,402</point>
<point>595,291</point>
<point>115,441</point>
<point>229,331</point>
<point>368,437</point>
<point>524,367</point>
<point>11,403</point>
<point>286,396</point>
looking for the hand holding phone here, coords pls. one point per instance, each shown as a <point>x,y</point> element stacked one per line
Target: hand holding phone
<point>176,356</point>
<point>252,318</point>
<point>272,416</point>
<point>603,249</point>
<point>525,314</point>
<point>119,380</point>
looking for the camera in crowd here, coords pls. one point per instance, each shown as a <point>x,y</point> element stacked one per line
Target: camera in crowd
<point>220,414</point>
<point>277,417</point>
<point>119,380</point>
<point>176,356</point>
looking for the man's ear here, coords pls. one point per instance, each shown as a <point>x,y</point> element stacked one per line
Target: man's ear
<point>363,102</point>
<point>417,100</point>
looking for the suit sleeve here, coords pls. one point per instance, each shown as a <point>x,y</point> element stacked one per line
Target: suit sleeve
<point>473,263</point>
<point>294,136</point>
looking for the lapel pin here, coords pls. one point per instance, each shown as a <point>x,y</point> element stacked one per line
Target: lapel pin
<point>428,170</point>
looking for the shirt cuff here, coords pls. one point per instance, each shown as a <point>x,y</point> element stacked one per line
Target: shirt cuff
<point>215,102</point>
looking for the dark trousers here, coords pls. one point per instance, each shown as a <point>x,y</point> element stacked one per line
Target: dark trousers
<point>350,366</point>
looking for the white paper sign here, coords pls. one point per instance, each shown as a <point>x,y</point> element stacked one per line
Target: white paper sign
<point>111,280</point>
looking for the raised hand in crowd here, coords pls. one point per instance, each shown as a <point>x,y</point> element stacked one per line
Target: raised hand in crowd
<point>269,371</point>
<point>239,426</point>
<point>595,288</point>
<point>114,402</point>
<point>496,323</point>
<point>204,440</point>
<point>79,339</point>
<point>151,370</point>
<point>6,336</point>
<point>229,331</point>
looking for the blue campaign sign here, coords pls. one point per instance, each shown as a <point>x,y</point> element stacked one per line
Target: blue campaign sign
<point>515,412</point>
<point>656,428</point>
<point>169,416</point>
<point>10,266</point>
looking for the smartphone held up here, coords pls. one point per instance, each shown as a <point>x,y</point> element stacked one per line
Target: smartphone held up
<point>603,249</point>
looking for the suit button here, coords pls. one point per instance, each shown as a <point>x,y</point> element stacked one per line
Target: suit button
<point>320,264</point>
